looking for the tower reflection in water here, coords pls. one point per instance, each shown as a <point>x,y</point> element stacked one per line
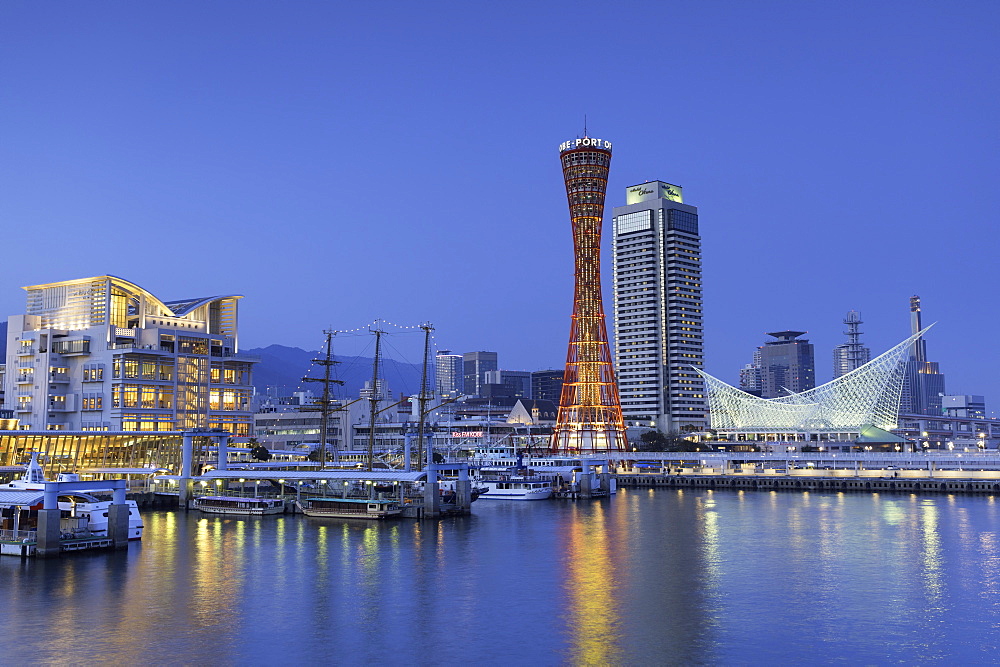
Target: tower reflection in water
<point>593,613</point>
<point>623,606</point>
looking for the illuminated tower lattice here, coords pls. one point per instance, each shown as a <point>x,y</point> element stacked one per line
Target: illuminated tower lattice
<point>590,413</point>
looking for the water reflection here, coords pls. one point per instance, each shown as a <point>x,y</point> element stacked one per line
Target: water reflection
<point>648,577</point>
<point>593,613</point>
<point>932,561</point>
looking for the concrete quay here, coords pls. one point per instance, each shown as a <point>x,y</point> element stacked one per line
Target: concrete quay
<point>891,484</point>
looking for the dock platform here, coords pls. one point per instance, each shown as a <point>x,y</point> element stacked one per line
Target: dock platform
<point>799,483</point>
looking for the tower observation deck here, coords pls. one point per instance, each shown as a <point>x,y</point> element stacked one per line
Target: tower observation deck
<point>590,414</point>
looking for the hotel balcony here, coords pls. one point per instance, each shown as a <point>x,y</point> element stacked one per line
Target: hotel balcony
<point>69,348</point>
<point>134,346</point>
<point>25,379</point>
<point>26,351</point>
<point>24,407</point>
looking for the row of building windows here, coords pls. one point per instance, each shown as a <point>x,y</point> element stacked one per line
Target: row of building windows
<point>149,397</point>
<point>571,158</point>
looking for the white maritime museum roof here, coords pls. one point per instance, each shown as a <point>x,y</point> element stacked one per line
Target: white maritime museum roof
<point>868,395</point>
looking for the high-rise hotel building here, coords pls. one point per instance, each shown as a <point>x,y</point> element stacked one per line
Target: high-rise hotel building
<point>658,310</point>
<point>448,371</point>
<point>103,354</point>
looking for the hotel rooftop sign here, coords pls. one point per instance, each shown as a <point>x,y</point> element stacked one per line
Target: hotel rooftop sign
<point>652,190</point>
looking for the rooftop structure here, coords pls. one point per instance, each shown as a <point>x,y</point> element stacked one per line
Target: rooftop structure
<point>848,356</point>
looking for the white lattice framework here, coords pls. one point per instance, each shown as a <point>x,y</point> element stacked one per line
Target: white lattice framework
<point>867,395</point>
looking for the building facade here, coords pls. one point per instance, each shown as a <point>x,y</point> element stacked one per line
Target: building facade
<point>658,310</point>
<point>102,354</point>
<point>547,385</point>
<point>517,383</point>
<point>964,432</point>
<point>852,354</point>
<point>965,406</point>
<point>449,374</point>
<point>923,382</point>
<point>787,365</point>
<point>475,366</point>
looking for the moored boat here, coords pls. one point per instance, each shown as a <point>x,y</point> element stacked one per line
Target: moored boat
<point>76,504</point>
<point>237,505</point>
<point>515,488</point>
<point>350,508</point>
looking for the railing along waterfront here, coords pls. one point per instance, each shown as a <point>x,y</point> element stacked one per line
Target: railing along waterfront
<point>18,535</point>
<point>939,459</point>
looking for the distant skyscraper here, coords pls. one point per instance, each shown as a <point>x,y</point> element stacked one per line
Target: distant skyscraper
<point>547,385</point>
<point>518,383</point>
<point>475,365</point>
<point>449,374</point>
<point>786,364</point>
<point>848,356</point>
<point>658,309</point>
<point>923,383</point>
<point>750,379</point>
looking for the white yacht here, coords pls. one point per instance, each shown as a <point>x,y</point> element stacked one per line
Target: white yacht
<point>76,504</point>
<point>515,487</point>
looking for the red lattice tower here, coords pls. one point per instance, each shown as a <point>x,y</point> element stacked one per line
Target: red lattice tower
<point>590,413</point>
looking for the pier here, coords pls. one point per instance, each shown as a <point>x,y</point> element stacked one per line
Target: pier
<point>418,492</point>
<point>907,472</point>
<point>786,483</point>
<point>52,534</point>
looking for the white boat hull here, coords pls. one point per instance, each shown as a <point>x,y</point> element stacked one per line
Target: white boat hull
<point>97,516</point>
<point>515,490</point>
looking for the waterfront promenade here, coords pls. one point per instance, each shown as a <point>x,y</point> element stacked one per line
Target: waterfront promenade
<point>933,463</point>
<point>930,472</point>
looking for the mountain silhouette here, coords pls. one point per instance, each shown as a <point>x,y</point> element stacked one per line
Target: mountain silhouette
<point>282,368</point>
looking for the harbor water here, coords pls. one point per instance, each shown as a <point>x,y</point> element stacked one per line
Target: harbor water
<point>651,576</point>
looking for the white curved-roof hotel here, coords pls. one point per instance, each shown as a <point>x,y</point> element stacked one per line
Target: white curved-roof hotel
<point>103,354</point>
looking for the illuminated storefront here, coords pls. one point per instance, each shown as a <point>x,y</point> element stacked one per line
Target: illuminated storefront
<point>78,452</point>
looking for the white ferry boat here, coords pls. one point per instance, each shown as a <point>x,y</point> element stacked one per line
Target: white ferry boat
<point>237,505</point>
<point>76,504</point>
<point>574,477</point>
<point>515,488</point>
<point>350,508</point>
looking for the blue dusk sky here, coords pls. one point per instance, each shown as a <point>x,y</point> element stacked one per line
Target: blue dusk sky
<point>337,162</point>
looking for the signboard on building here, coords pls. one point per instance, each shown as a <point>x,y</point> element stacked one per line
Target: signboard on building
<point>654,190</point>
